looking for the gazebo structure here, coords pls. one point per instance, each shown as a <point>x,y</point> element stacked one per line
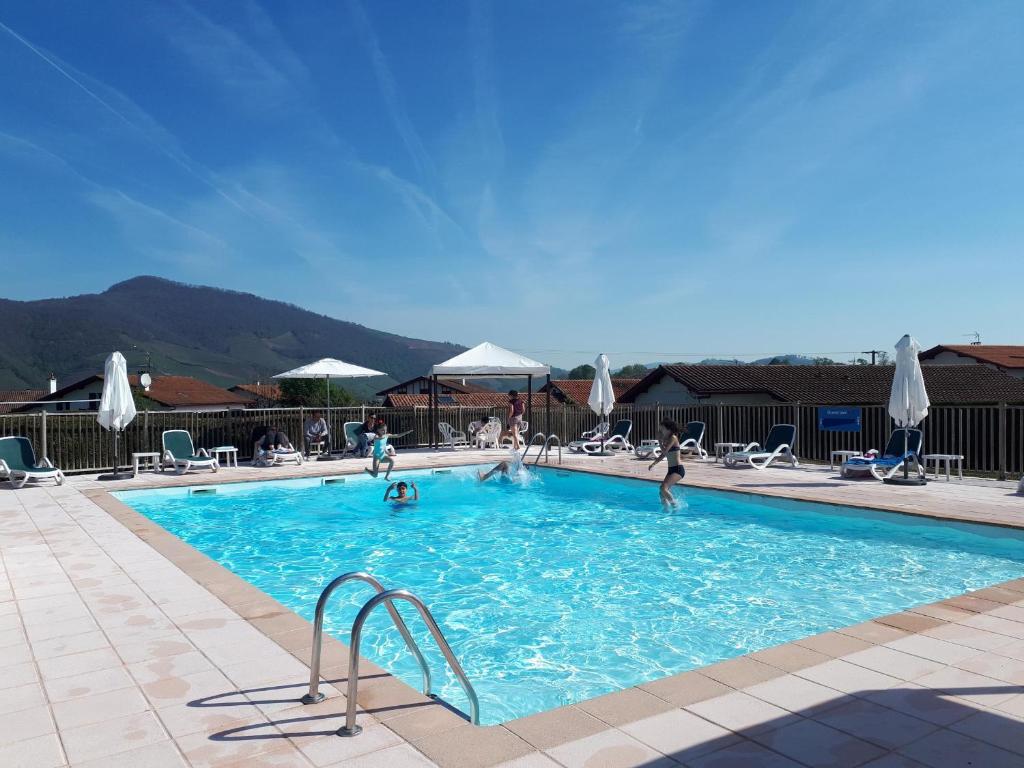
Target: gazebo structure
<point>490,361</point>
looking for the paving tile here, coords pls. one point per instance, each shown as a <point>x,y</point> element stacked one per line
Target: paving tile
<point>549,729</point>
<point>147,650</point>
<point>201,751</point>
<point>894,760</point>
<point>163,754</point>
<point>476,747</point>
<point>997,667</point>
<point>897,664</point>
<point>741,672</point>
<point>278,756</point>
<point>948,749</point>
<point>924,703</point>
<point>532,760</point>
<point>969,686</point>
<point>741,712</point>
<point>427,721</point>
<point>197,687</point>
<point>15,655</point>
<point>90,742</point>
<point>26,724</point>
<point>932,648</point>
<point>995,728</point>
<point>797,694</point>
<point>96,709</point>
<point>37,752</point>
<point>995,624</point>
<point>169,666</point>
<point>686,688</point>
<point>89,684</point>
<point>18,675</point>
<point>819,745</point>
<point>875,723</point>
<point>971,637</point>
<point>680,734</point>
<point>21,697</point>
<point>78,663</point>
<point>909,621</point>
<point>625,706</point>
<point>846,677</point>
<point>330,750</point>
<point>610,749</point>
<point>63,646</point>
<point>745,754</point>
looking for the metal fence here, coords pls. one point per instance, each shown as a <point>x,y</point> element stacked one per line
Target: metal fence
<point>990,437</point>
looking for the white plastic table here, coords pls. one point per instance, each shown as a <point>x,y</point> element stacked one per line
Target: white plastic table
<point>152,458</point>
<point>842,456</point>
<point>723,448</point>
<point>948,458</point>
<point>229,452</point>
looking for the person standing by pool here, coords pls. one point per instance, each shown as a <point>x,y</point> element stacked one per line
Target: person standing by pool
<point>516,409</point>
<point>668,437</point>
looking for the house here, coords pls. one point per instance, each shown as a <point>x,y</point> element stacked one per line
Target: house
<point>489,399</point>
<point>576,391</point>
<point>1006,358</point>
<point>421,386</point>
<point>259,395</point>
<point>9,398</point>
<point>816,385</point>
<point>171,393</point>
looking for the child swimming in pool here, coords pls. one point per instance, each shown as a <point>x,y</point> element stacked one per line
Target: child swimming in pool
<point>380,451</point>
<point>668,436</point>
<point>401,490</point>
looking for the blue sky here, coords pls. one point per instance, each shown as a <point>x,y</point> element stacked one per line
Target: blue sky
<point>647,179</point>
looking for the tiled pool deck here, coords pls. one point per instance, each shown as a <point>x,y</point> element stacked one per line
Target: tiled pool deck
<point>122,646</point>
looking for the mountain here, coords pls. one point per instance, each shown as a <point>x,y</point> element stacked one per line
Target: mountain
<point>223,337</point>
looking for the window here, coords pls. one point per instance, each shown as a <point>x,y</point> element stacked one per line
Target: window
<point>94,401</point>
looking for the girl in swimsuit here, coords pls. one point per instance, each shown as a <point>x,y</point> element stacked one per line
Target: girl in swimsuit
<point>669,438</point>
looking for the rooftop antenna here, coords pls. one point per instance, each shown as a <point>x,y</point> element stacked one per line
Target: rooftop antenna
<point>873,352</point>
<point>976,338</point>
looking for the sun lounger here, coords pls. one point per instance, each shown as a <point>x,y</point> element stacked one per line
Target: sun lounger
<point>589,436</point>
<point>904,445</point>
<point>778,445</point>
<point>18,463</point>
<point>690,441</point>
<point>279,456</point>
<point>352,430</point>
<point>180,453</point>
<point>617,441</point>
<point>452,436</point>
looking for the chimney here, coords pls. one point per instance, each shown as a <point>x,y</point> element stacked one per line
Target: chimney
<point>53,383</point>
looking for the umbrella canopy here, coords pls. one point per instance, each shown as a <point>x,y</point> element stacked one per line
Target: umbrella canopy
<point>602,396</point>
<point>329,368</point>
<point>117,406</point>
<point>488,359</point>
<point>908,402</point>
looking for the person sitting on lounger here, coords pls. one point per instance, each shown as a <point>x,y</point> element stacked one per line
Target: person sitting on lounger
<point>668,437</point>
<point>401,495</point>
<point>317,432</point>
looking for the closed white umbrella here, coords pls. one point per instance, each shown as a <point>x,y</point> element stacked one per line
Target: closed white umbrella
<point>117,406</point>
<point>602,395</point>
<point>908,400</point>
<point>328,368</point>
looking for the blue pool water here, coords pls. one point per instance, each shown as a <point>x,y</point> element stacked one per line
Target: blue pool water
<point>568,585</point>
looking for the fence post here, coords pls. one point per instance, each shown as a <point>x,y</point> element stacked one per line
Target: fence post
<point>718,419</point>
<point>1002,441</point>
<point>42,439</point>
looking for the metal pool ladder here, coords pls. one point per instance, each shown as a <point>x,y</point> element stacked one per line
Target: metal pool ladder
<point>387,597</point>
<point>545,450</point>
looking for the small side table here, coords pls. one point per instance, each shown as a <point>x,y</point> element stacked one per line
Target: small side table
<point>150,458</point>
<point>723,448</point>
<point>948,458</point>
<point>229,452</point>
<point>842,456</point>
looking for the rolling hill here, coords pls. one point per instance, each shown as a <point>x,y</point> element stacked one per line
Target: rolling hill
<point>223,337</point>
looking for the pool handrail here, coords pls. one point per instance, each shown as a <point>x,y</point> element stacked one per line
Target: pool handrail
<point>533,442</point>
<point>313,696</point>
<point>545,443</point>
<point>351,728</point>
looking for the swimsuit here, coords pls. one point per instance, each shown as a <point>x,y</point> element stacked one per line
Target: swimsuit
<point>678,468</point>
<point>380,447</point>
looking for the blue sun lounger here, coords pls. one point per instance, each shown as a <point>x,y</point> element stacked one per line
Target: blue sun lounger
<point>904,445</point>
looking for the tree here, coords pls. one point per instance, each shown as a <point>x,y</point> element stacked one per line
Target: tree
<point>779,361</point>
<point>582,372</point>
<point>883,358</point>
<point>312,393</point>
<point>634,371</point>
<point>823,361</point>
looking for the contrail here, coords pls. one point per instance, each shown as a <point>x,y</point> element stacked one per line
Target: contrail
<point>124,118</point>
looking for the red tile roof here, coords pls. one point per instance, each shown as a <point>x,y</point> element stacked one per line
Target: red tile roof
<point>172,391</point>
<point>1002,355</point>
<point>269,392</point>
<point>18,396</point>
<point>837,384</point>
<point>576,391</point>
<point>456,385</point>
<point>466,399</point>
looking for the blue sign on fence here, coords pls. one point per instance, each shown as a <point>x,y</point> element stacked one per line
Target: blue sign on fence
<point>839,419</point>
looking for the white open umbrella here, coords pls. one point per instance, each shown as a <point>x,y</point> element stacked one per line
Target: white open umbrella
<point>117,406</point>
<point>908,400</point>
<point>329,368</point>
<point>602,395</point>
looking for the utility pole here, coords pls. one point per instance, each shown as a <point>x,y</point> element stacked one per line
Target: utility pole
<point>873,352</point>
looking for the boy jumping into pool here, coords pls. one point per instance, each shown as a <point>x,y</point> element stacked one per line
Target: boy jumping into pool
<point>401,490</point>
<point>668,436</point>
<point>380,451</point>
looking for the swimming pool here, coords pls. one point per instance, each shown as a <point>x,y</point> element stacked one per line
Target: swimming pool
<point>572,585</point>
